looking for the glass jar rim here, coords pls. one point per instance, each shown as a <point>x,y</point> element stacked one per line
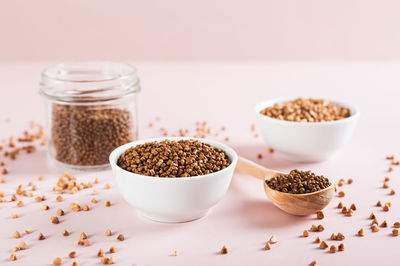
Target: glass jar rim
<point>91,81</point>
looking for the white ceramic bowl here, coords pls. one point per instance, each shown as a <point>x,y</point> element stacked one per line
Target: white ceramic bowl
<point>173,199</point>
<point>305,141</point>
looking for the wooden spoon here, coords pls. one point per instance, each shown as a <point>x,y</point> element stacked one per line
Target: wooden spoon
<point>297,204</point>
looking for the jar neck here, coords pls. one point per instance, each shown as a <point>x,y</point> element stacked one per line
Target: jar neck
<point>89,82</point>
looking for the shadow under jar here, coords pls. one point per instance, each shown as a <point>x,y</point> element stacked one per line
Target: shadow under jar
<point>91,108</point>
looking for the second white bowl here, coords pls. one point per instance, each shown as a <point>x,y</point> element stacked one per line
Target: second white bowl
<point>173,199</point>
<point>305,141</point>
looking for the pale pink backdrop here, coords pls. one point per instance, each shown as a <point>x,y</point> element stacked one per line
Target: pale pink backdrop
<point>221,94</point>
<point>37,33</point>
<point>199,30</point>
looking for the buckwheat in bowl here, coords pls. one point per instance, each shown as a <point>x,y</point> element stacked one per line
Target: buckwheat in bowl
<point>306,129</point>
<point>174,179</point>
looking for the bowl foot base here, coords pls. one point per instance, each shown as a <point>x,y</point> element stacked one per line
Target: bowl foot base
<point>174,218</point>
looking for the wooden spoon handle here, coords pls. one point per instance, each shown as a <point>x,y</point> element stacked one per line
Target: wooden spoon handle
<point>251,168</point>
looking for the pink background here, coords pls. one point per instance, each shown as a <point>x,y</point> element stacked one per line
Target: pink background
<point>34,34</point>
<point>225,95</point>
<point>199,30</point>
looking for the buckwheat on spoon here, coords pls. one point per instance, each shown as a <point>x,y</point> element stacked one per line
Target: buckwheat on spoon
<point>298,193</point>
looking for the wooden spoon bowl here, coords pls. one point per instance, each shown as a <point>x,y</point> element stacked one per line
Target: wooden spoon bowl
<point>296,204</point>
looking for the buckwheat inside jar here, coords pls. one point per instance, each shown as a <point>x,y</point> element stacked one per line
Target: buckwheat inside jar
<point>91,110</point>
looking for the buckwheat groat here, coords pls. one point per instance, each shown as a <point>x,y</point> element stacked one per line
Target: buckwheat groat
<point>307,110</point>
<point>85,135</point>
<point>298,182</point>
<point>169,158</point>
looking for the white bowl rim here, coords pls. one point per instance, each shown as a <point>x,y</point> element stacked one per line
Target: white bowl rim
<point>116,153</point>
<point>354,111</point>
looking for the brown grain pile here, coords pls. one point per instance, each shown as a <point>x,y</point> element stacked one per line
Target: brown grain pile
<point>168,158</point>
<point>306,110</point>
<point>86,135</point>
<point>298,182</point>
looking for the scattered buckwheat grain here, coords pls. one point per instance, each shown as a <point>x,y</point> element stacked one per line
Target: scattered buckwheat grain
<point>314,228</point>
<point>273,240</point>
<point>224,250</point>
<point>100,253</point>
<point>83,236</point>
<point>54,219</point>
<point>340,237</point>
<point>75,207</point>
<point>374,228</point>
<point>57,261</point>
<point>323,245</point>
<point>333,249</point>
<point>22,245</point>
<point>375,221</point>
<point>121,237</point>
<point>13,257</point>
<point>16,234</point>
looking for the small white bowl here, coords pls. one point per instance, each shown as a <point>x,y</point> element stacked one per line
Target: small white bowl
<point>173,199</point>
<point>305,141</point>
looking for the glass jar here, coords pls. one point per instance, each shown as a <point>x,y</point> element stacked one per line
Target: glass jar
<point>91,108</point>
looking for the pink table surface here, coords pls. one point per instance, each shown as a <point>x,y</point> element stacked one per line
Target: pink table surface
<point>221,94</point>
